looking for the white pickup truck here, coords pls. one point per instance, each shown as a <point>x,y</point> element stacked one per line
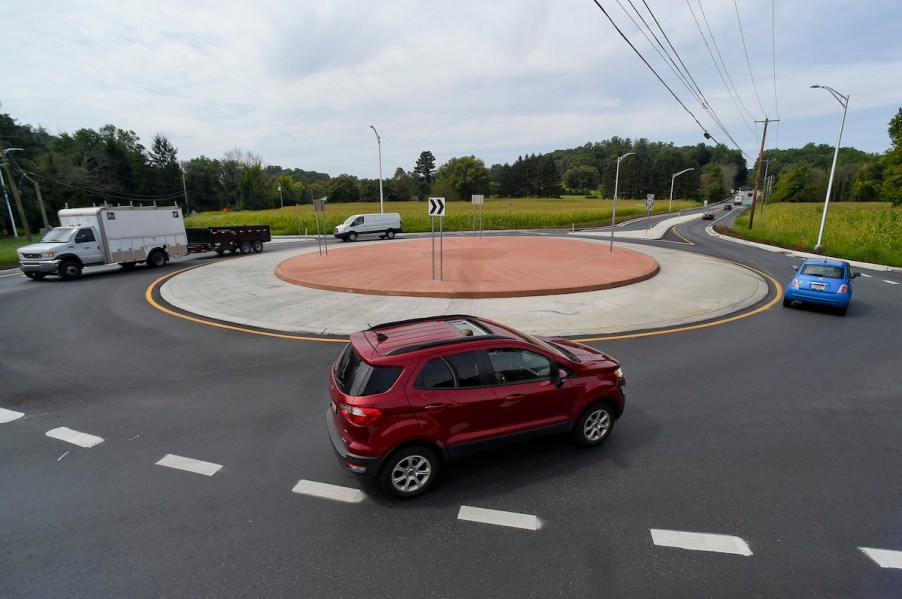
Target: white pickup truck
<point>124,235</point>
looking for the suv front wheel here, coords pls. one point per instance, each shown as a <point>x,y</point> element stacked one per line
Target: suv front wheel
<point>595,425</point>
<point>410,472</point>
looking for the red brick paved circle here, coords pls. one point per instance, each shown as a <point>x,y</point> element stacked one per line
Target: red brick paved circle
<point>473,267</point>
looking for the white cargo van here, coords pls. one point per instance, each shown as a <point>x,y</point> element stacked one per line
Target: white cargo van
<point>125,235</point>
<point>383,225</point>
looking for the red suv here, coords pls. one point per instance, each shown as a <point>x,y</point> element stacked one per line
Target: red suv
<point>407,396</point>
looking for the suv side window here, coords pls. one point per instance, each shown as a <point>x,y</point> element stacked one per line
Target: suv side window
<point>512,365</point>
<point>436,374</point>
<point>455,370</point>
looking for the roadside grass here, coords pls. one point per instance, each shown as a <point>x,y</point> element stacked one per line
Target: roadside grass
<point>863,231</point>
<point>496,214</point>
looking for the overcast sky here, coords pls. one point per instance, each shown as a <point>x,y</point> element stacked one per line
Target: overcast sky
<point>299,82</point>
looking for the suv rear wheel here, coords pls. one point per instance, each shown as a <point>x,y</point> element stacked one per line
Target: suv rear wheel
<point>595,425</point>
<point>410,472</point>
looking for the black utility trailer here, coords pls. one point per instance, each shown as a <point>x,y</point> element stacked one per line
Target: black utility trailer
<point>244,239</point>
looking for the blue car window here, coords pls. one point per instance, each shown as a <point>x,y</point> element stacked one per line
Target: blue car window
<point>823,270</point>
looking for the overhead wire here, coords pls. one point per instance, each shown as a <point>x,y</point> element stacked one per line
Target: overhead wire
<point>721,66</point>
<point>696,93</point>
<point>747,61</point>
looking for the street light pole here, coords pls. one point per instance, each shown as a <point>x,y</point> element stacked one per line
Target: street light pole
<point>616,184</point>
<point>844,100</point>
<point>670,207</point>
<point>281,202</point>
<point>379,142</point>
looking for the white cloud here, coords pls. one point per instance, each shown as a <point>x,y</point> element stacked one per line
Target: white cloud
<point>299,83</point>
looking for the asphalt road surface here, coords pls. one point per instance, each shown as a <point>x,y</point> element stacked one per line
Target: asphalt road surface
<point>756,458</point>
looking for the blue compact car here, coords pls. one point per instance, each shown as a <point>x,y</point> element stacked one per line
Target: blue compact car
<point>821,281</point>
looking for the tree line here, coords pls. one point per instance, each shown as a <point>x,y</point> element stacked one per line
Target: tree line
<point>112,165</point>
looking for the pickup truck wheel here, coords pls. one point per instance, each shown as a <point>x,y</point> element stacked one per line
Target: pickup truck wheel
<point>156,258</point>
<point>352,236</point>
<point>69,269</point>
<point>258,246</point>
<point>245,247</point>
<point>390,234</point>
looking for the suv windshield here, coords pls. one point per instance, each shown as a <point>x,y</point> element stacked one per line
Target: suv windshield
<point>357,378</point>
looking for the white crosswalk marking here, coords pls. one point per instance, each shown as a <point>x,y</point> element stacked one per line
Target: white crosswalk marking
<point>76,438</point>
<point>325,491</point>
<point>698,541</point>
<point>9,415</point>
<point>189,465</point>
<point>499,518</point>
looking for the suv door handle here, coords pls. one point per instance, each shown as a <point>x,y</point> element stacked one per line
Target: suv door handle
<point>514,398</point>
<point>437,406</point>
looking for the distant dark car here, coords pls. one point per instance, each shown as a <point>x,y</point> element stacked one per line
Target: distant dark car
<point>821,281</point>
<point>708,216</point>
<point>408,396</point>
<point>728,206</point>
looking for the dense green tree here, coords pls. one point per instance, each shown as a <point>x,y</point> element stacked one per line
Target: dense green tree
<point>424,172</point>
<point>801,183</point>
<point>344,188</point>
<point>465,176</point>
<point>403,186</point>
<point>713,188</point>
<point>582,178</point>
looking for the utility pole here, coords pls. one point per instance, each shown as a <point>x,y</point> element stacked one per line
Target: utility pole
<point>764,191</point>
<point>12,185</point>
<point>758,171</point>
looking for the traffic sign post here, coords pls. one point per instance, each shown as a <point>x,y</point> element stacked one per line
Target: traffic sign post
<point>477,200</point>
<point>437,208</point>
<point>319,207</point>
<point>649,206</point>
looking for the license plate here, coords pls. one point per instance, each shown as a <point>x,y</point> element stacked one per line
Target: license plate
<point>819,286</point>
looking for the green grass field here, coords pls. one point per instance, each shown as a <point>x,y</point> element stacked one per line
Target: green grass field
<point>868,232</point>
<point>497,213</point>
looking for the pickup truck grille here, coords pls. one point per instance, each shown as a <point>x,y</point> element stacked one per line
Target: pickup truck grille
<point>30,255</point>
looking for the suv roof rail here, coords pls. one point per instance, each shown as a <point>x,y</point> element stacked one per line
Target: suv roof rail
<point>428,344</point>
<point>421,319</point>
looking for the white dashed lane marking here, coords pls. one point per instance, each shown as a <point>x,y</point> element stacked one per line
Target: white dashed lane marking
<point>890,282</point>
<point>884,557</point>
<point>699,541</point>
<point>9,415</point>
<point>76,438</point>
<point>189,465</point>
<point>325,491</point>
<point>499,518</point>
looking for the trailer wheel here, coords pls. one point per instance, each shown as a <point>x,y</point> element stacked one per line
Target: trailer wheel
<point>258,246</point>
<point>69,269</point>
<point>245,247</point>
<point>156,258</point>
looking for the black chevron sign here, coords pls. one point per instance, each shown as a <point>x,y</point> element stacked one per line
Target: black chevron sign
<point>436,206</point>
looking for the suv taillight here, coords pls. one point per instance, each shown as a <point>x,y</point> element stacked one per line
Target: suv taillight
<point>360,416</point>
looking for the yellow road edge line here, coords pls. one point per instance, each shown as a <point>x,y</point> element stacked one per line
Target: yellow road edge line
<point>675,232</point>
<point>148,295</point>
<point>705,325</point>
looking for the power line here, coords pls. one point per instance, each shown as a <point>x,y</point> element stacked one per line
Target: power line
<point>747,61</point>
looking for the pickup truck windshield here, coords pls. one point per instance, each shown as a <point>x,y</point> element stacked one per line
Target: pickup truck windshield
<point>58,235</point>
